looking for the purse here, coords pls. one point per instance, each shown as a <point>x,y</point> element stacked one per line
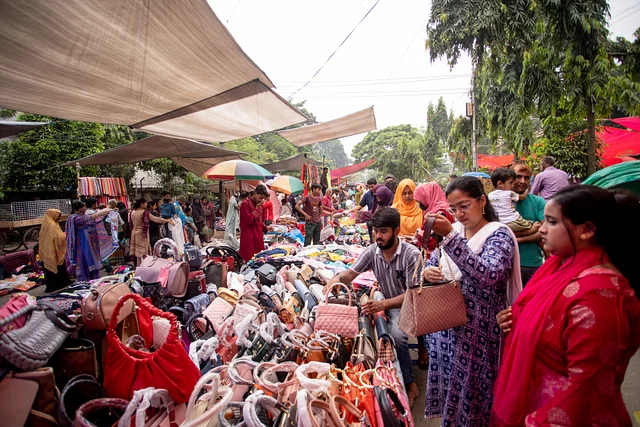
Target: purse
<point>98,305</point>
<point>308,297</point>
<point>154,292</point>
<point>386,351</point>
<point>169,367</point>
<point>388,400</point>
<point>217,312</point>
<point>192,256</point>
<point>172,274</point>
<point>104,412</point>
<point>78,391</point>
<point>226,255</point>
<point>43,333</point>
<point>196,305</point>
<point>29,399</point>
<point>432,307</point>
<point>69,303</point>
<point>77,356</point>
<point>267,274</point>
<point>16,303</point>
<point>336,318</point>
<point>216,273</point>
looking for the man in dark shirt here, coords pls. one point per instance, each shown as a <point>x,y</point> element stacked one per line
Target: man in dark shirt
<point>324,180</point>
<point>313,211</point>
<point>167,210</point>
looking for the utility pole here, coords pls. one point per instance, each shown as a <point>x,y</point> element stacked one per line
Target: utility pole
<point>474,147</point>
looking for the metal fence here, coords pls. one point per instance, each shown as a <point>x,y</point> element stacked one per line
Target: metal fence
<point>24,211</point>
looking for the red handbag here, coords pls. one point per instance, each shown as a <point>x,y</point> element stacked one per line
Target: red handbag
<point>169,367</point>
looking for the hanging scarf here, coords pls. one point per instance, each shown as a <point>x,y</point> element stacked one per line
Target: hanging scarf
<point>530,313</point>
<point>70,256</point>
<point>432,196</point>
<point>52,241</point>
<point>411,216</point>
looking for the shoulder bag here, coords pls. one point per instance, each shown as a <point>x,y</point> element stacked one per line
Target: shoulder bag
<point>172,274</point>
<point>431,307</point>
<point>337,318</point>
<point>169,367</point>
<point>192,256</point>
<point>43,333</point>
<point>98,305</point>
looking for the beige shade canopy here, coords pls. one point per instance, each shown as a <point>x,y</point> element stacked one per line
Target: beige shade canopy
<point>164,66</point>
<point>291,164</point>
<point>352,124</point>
<point>156,147</point>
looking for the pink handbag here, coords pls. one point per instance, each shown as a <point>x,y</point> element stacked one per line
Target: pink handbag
<point>15,303</point>
<point>172,274</point>
<point>217,312</point>
<point>337,318</point>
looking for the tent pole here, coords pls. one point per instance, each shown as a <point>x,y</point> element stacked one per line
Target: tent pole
<point>222,198</point>
<point>78,179</point>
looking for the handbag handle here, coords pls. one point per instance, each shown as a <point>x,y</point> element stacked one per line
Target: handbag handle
<point>428,226</point>
<point>158,247</point>
<point>58,317</point>
<point>323,406</point>
<point>144,399</point>
<point>326,297</point>
<point>140,302</point>
<point>224,393</point>
<point>337,400</point>
<point>192,321</point>
<point>112,404</point>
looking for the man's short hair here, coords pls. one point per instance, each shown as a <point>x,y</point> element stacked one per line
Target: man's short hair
<point>453,176</point>
<point>261,190</point>
<point>91,202</point>
<point>385,217</point>
<point>314,186</point>
<point>520,164</point>
<point>548,160</point>
<point>501,174</point>
<point>372,181</point>
<point>164,193</point>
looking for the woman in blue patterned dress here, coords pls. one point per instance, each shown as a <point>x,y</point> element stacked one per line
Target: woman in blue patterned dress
<point>481,253</point>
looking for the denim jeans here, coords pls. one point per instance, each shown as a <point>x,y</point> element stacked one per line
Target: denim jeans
<point>401,341</point>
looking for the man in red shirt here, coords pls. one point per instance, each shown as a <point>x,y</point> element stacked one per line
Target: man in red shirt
<point>252,227</point>
<point>313,210</point>
<point>267,208</point>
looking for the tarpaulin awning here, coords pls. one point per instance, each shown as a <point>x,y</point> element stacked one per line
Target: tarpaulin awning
<point>352,124</point>
<point>10,128</point>
<point>494,162</point>
<point>182,151</point>
<point>351,169</point>
<point>618,143</point>
<point>629,122</point>
<point>167,67</point>
<point>621,176</point>
<point>291,164</point>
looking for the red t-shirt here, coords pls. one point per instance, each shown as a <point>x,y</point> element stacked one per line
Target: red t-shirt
<point>313,207</point>
<point>267,209</point>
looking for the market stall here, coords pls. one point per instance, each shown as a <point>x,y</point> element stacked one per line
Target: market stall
<point>262,340</point>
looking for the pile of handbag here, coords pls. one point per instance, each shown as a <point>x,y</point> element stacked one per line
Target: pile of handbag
<point>263,348</point>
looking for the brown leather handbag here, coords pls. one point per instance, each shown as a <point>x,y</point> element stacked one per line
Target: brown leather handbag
<point>431,307</point>
<point>98,305</point>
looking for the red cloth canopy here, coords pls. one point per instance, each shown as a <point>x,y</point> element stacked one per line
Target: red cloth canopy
<point>629,122</point>
<point>351,169</point>
<point>494,162</point>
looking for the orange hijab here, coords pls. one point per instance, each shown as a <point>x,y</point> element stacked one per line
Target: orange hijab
<point>411,216</point>
<point>52,242</point>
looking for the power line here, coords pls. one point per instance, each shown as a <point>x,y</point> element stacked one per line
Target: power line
<point>336,50</point>
<point>417,80</point>
<point>233,11</point>
<point>622,18</point>
<point>629,8</point>
<point>407,49</point>
<point>398,95</point>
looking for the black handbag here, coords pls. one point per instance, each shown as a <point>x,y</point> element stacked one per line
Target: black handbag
<point>194,333</point>
<point>267,275</point>
<point>387,399</point>
<point>78,391</point>
<point>192,256</point>
<point>155,293</point>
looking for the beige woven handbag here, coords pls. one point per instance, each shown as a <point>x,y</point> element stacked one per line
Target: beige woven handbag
<point>429,308</point>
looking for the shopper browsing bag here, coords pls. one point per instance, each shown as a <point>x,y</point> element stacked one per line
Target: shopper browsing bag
<point>393,262</point>
<point>484,259</point>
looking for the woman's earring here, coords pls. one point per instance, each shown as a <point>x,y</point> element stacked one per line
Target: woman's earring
<point>583,236</point>
<point>483,210</point>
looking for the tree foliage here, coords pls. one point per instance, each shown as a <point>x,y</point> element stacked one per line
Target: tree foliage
<point>541,58</point>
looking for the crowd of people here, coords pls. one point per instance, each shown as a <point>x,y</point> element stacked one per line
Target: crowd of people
<point>546,273</point>
<point>94,232</point>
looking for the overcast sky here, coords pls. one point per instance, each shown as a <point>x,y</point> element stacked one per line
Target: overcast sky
<point>383,63</point>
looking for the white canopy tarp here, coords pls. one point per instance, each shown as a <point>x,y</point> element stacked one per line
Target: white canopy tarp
<point>185,152</point>
<point>131,61</point>
<point>352,124</point>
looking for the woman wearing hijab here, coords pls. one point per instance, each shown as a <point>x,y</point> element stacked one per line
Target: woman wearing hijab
<point>384,197</point>
<point>411,215</point>
<point>197,212</point>
<point>52,248</point>
<point>83,246</point>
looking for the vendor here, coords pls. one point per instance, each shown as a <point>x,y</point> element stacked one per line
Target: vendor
<point>393,262</point>
<point>252,227</point>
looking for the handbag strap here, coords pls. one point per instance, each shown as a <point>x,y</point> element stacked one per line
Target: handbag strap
<point>214,406</point>
<point>58,317</point>
<point>141,303</point>
<point>157,248</point>
<point>192,321</point>
<point>322,406</point>
<point>18,314</point>
<point>337,401</point>
<point>313,385</point>
<point>428,226</point>
<point>98,404</point>
<point>250,410</point>
<point>235,376</point>
<point>342,285</point>
<point>144,399</point>
<point>274,387</point>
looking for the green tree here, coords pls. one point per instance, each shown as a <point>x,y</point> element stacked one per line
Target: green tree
<point>399,150</point>
<point>334,153</point>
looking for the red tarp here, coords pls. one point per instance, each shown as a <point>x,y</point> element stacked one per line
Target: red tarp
<point>629,122</point>
<point>350,170</point>
<point>619,142</point>
<point>494,162</point>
